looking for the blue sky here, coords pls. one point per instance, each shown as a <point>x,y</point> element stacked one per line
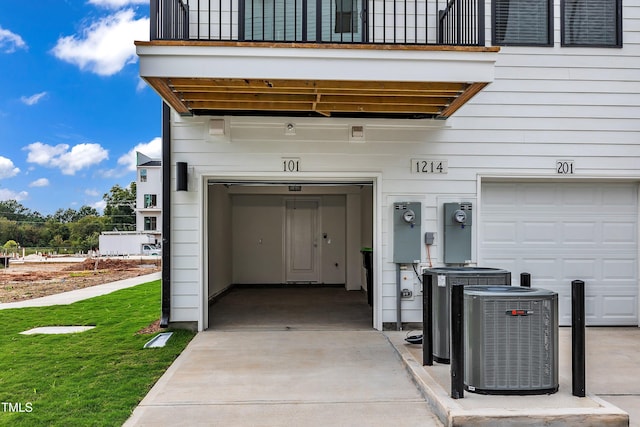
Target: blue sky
<point>73,110</point>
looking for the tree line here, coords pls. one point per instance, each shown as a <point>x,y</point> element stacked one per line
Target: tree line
<point>67,230</point>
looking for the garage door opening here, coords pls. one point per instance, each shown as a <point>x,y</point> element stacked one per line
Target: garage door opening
<point>288,254</point>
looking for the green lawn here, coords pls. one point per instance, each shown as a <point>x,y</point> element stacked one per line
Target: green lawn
<point>93,378</point>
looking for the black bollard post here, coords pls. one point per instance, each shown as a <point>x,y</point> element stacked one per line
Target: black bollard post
<point>427,319</point>
<point>578,380</point>
<point>525,280</point>
<point>457,341</point>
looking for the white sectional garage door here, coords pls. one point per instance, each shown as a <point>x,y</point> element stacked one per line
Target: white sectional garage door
<point>560,232</point>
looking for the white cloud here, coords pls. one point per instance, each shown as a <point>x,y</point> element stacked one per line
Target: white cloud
<point>142,85</point>
<point>105,47</point>
<point>99,206</point>
<point>43,154</point>
<point>10,42</point>
<point>80,156</point>
<point>33,99</point>
<point>91,192</point>
<point>7,168</point>
<point>116,4</point>
<point>6,194</point>
<point>152,149</point>
<point>41,182</point>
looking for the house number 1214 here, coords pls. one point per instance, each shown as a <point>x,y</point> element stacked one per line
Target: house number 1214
<point>429,166</point>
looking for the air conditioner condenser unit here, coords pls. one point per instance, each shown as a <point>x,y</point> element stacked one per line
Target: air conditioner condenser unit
<point>511,340</point>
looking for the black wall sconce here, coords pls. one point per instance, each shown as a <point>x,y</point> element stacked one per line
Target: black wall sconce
<point>181,176</point>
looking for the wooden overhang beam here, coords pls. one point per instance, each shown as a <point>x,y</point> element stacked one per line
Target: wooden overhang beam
<point>161,85</point>
<point>437,99</point>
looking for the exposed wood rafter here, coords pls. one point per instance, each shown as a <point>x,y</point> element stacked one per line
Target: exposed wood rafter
<point>324,97</point>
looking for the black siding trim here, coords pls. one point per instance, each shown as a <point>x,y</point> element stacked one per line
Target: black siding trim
<point>166,215</point>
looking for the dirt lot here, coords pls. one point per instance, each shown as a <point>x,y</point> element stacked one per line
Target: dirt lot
<point>22,281</point>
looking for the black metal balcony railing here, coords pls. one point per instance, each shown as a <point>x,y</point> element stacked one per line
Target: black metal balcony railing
<point>421,22</point>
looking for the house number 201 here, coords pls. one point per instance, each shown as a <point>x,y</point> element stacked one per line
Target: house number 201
<point>291,165</point>
<point>564,167</point>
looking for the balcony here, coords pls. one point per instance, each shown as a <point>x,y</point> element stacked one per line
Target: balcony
<point>338,58</point>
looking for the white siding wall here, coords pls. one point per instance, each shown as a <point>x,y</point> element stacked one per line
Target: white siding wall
<point>545,104</point>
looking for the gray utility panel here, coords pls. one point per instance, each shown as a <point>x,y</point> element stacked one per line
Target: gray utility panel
<point>458,220</point>
<point>511,340</point>
<point>407,239</point>
<point>443,279</point>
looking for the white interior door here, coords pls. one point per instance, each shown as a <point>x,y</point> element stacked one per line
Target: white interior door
<point>301,241</point>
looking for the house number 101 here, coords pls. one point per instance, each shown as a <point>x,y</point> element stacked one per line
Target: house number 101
<point>291,165</point>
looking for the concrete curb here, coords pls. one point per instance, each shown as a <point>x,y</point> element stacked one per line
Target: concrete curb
<point>452,412</point>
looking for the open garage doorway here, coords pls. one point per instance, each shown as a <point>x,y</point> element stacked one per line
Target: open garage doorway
<point>288,255</point>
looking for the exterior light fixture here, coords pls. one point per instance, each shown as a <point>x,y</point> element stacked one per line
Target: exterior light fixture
<point>290,129</point>
<point>182,178</point>
<point>216,127</point>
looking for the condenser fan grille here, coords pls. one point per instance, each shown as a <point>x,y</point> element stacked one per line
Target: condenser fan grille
<point>511,340</point>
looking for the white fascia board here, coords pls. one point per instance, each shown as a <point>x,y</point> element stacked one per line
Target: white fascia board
<point>316,64</point>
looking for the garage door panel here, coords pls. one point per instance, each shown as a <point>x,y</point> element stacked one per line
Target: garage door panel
<point>580,232</point>
<point>505,263</point>
<point>620,269</point>
<point>543,269</point>
<point>564,308</point>
<point>580,269</point>
<point>561,232</point>
<point>539,197</point>
<point>615,306</point>
<point>501,195</point>
<point>535,232</point>
<point>621,196</point>
<point>499,232</point>
<point>578,196</point>
<point>590,308</point>
<point>619,232</point>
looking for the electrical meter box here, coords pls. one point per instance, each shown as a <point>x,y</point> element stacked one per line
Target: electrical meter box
<point>458,220</point>
<point>407,237</point>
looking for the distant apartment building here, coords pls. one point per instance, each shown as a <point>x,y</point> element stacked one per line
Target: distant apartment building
<point>147,237</point>
<point>148,196</point>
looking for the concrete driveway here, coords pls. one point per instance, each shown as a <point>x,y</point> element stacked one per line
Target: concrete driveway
<point>286,378</point>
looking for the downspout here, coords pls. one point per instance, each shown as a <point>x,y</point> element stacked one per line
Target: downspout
<point>166,215</point>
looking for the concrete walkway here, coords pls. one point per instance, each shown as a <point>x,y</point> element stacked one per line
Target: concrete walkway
<point>353,378</point>
<point>286,378</point>
<point>82,294</point>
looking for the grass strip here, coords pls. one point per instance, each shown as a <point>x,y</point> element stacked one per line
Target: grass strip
<point>93,378</point>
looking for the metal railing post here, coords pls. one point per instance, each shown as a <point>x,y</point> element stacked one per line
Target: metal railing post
<point>153,17</point>
<point>525,280</point>
<point>427,319</point>
<point>457,341</point>
<point>578,379</point>
<point>480,24</point>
